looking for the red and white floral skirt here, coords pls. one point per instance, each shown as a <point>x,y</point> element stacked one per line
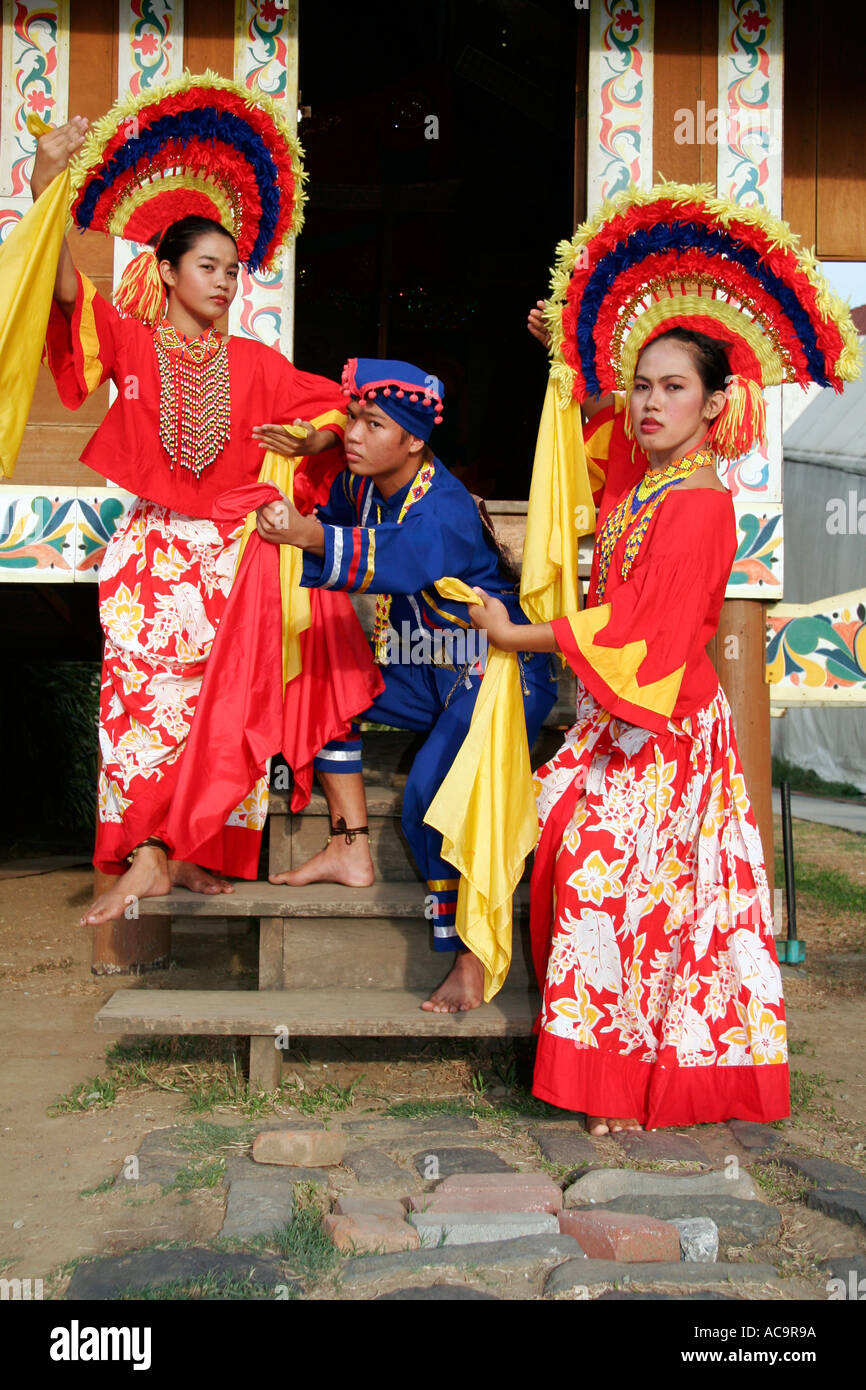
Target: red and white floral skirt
<point>652,927</point>
<point>163,587</point>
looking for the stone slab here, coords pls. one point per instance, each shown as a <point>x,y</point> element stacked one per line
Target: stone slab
<point>660,1146</point>
<point>509,1199</point>
<point>351,1205</point>
<point>240,1168</point>
<point>315,1147</point>
<point>454,1162</point>
<point>575,1274</point>
<point>474,1228</point>
<point>107,1278</point>
<point>373,1166</point>
<point>161,1156</point>
<point>621,1236</point>
<point>369,1234</point>
<point>256,1209</point>
<point>755,1138</point>
<point>699,1239</point>
<point>605,1184</point>
<point>437,1293</point>
<point>570,1148</point>
<point>495,1182</point>
<point>824,1173</point>
<point>701,1295</point>
<point>489,1255</point>
<point>849,1207</point>
<point>851,1271</point>
<point>410,1126</point>
<point>739,1222</point>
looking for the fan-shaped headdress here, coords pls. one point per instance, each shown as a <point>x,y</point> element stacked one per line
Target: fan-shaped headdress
<point>680,256</point>
<point>201,145</point>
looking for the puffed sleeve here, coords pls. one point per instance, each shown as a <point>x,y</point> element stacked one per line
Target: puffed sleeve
<point>631,652</point>
<point>83,352</point>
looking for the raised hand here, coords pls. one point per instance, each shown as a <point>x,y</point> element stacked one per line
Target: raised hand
<point>54,151</point>
<point>536,325</point>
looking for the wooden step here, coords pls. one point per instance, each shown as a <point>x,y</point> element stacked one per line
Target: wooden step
<point>317,900</point>
<point>269,1017</point>
<point>358,1013</point>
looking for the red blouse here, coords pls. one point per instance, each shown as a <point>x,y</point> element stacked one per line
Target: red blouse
<point>642,650</point>
<point>98,344</point>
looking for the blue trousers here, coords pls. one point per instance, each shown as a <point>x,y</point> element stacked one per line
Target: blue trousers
<point>439,702</point>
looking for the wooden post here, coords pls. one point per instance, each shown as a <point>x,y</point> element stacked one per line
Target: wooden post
<point>266,1058</point>
<point>129,946</point>
<point>738,654</point>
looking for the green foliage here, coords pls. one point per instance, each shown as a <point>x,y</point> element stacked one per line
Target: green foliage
<point>49,715</point>
<point>801,779</point>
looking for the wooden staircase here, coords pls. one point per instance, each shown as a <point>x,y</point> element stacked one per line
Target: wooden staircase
<point>333,961</point>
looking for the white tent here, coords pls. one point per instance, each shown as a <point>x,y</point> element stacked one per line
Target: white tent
<point>824,449</point>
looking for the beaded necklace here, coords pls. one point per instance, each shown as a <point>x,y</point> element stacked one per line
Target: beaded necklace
<point>637,509</point>
<point>194,401</point>
<point>420,485</point>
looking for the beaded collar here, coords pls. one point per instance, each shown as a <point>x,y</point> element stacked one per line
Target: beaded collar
<point>194,399</point>
<point>636,510</point>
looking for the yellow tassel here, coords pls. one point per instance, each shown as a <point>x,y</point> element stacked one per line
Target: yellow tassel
<point>141,293</point>
<point>742,422</point>
<point>628,423</point>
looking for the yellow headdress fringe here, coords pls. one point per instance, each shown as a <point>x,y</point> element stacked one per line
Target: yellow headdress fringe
<point>141,293</point>
<point>742,423</point>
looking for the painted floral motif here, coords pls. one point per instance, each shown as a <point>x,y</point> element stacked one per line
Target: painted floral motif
<point>665,953</point>
<point>758,561</point>
<point>36,74</point>
<point>818,651</point>
<point>623,56</point>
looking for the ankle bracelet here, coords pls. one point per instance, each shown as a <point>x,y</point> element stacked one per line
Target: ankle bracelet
<point>151,843</point>
<point>350,834</point>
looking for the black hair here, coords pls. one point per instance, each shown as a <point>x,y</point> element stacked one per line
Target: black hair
<point>710,355</point>
<point>182,236</point>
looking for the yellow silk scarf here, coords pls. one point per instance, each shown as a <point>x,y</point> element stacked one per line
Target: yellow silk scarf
<point>485,809</point>
<point>28,269</point>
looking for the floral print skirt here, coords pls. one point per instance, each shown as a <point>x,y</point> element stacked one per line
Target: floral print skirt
<point>163,586</point>
<point>652,927</point>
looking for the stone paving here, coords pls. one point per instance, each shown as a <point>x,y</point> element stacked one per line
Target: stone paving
<point>441,1208</point>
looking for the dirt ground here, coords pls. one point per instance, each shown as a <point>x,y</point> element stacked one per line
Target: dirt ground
<point>51,1163</point>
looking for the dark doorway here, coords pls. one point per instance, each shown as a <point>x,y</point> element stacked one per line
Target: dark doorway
<point>440,148</point>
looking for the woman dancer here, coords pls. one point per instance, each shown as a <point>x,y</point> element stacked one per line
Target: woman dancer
<point>185,428</point>
<point>651,918</point>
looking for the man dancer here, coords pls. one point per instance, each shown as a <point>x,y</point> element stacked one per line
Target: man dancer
<point>395,522</point>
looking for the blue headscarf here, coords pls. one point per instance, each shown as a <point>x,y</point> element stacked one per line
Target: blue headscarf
<point>411,397</point>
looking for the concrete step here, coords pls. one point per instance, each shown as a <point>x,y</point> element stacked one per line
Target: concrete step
<point>367,1013</point>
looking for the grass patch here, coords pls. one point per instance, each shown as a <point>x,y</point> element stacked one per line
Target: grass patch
<point>798,1049</point>
<point>427,1109</point>
<point>312,1100</point>
<point>200,1173</point>
<point>779,1183</point>
<point>212,1286</point>
<point>804,1087</point>
<point>105,1186</point>
<point>801,779</point>
<point>99,1093</point>
<point>303,1243</point>
<point>830,889</point>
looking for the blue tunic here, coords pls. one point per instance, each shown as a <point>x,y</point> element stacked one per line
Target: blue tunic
<point>434,659</point>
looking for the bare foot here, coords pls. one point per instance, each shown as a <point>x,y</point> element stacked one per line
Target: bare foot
<point>597,1125</point>
<point>147,877</point>
<point>600,1124</point>
<point>463,988</point>
<point>197,880</point>
<point>338,862</point>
